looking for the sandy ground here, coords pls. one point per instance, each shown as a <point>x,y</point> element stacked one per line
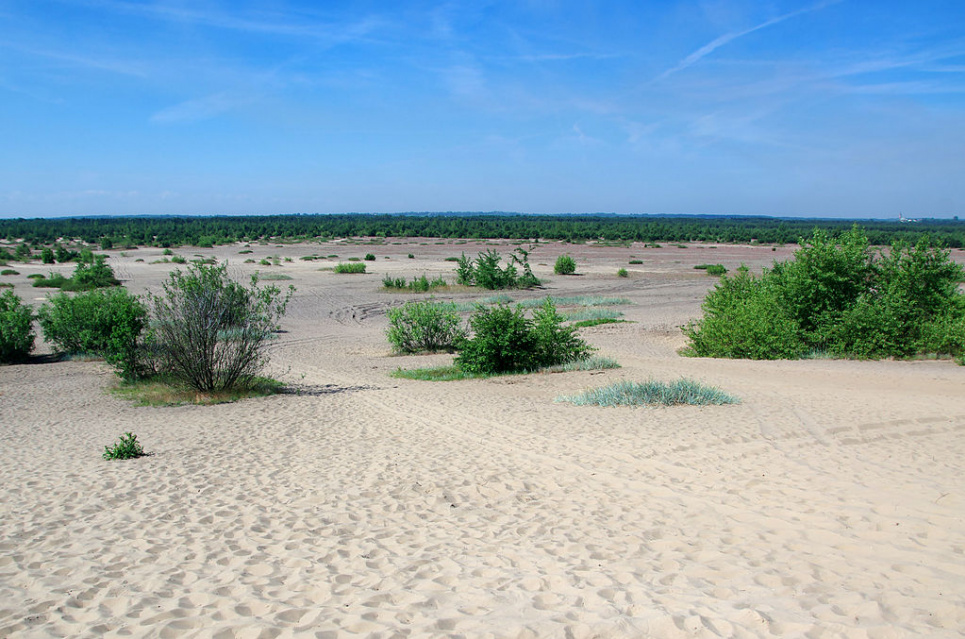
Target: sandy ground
<point>829,503</point>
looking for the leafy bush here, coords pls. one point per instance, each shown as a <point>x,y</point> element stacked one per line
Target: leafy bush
<point>487,273</point>
<point>16,328</point>
<point>743,319</point>
<point>9,271</point>
<point>622,273</point>
<point>424,326</point>
<point>47,255</point>
<point>127,447</point>
<point>625,393</point>
<point>354,267</point>
<point>506,341</point>
<point>369,257</point>
<point>712,269</point>
<point>90,273</point>
<point>838,298</point>
<point>107,323</point>
<point>210,332</point>
<point>565,265</point>
<point>636,261</point>
<point>418,284</point>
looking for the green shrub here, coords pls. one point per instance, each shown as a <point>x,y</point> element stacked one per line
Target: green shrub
<point>62,254</point>
<point>354,267</point>
<point>636,261</point>
<point>127,447</point>
<point>16,328</point>
<point>565,265</point>
<point>411,256</point>
<point>487,273</point>
<point>505,341</point>
<point>625,393</point>
<point>836,297</point>
<point>9,271</point>
<point>210,332</point>
<point>107,323</point>
<point>179,259</point>
<point>743,319</point>
<point>47,255</point>
<point>369,257</point>
<point>622,273</point>
<point>712,269</point>
<point>424,327</point>
<point>90,273</point>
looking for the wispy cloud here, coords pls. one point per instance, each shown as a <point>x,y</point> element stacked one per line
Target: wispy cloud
<point>112,65</point>
<point>717,43</point>
<point>200,109</point>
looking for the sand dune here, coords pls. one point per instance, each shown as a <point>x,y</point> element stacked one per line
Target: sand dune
<point>829,503</point>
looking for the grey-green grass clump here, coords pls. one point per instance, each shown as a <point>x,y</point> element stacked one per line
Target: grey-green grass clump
<point>650,393</point>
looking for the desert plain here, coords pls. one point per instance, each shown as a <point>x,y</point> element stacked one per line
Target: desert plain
<point>829,503</point>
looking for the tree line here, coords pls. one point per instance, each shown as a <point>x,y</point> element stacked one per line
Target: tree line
<point>127,232</point>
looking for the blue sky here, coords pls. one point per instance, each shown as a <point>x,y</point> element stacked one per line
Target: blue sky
<point>848,108</point>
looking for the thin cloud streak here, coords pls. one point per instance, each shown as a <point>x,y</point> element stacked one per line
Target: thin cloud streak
<point>712,46</point>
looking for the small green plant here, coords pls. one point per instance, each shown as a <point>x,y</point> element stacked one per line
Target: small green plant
<point>622,273</point>
<point>712,269</point>
<point>626,393</point>
<point>565,265</point>
<point>127,447</point>
<point>179,259</point>
<point>9,271</point>
<point>16,328</point>
<point>411,256</point>
<point>168,251</point>
<point>369,257</point>
<point>636,261</point>
<point>354,267</point>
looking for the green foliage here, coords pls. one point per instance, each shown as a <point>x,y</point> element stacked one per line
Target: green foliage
<point>411,256</point>
<point>622,273</point>
<point>744,319</point>
<point>487,273</point>
<point>91,272</point>
<point>210,332</point>
<point>418,284</point>
<point>107,323</point>
<point>587,323</point>
<point>16,328</point>
<point>636,261</point>
<point>369,257</point>
<point>9,271</point>
<point>353,267</point>
<point>62,254</point>
<point>504,340</point>
<point>47,255</point>
<point>126,447</point>
<point>565,265</point>
<point>626,393</point>
<point>712,269</point>
<point>838,298</point>
<point>22,252</point>
<point>424,327</point>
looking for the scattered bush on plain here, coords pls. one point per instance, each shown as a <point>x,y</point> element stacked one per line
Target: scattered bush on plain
<point>427,326</point>
<point>565,265</point>
<point>486,272</point>
<point>350,267</point>
<point>626,393</point>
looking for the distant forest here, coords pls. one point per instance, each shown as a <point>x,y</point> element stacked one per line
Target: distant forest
<point>122,232</point>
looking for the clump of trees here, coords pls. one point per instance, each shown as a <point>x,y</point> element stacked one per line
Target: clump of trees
<point>486,272</point>
<point>841,298</point>
<point>91,272</point>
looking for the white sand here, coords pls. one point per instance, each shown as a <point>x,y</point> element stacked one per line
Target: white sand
<point>830,503</point>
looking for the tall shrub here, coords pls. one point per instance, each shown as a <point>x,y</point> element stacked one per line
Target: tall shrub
<point>565,265</point>
<point>16,328</point>
<point>211,332</point>
<point>107,323</point>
